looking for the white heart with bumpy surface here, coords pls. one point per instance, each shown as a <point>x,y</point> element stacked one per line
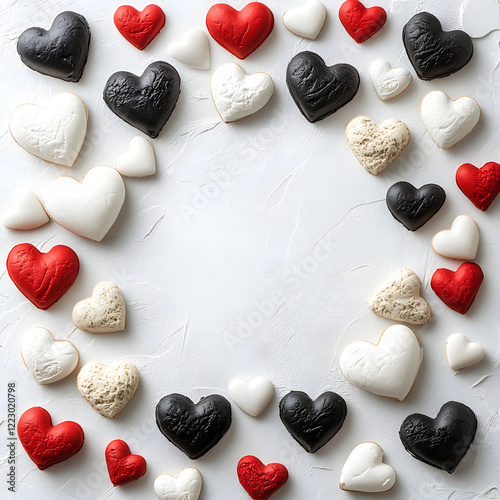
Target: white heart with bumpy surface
<point>47,359</point>
<point>237,95</point>
<point>192,49</point>
<point>104,312</point>
<point>251,396</point>
<point>108,389</point>
<point>90,207</point>
<point>461,353</point>
<point>26,212</point>
<point>387,81</point>
<point>186,486</point>
<point>139,160</point>
<point>448,121</point>
<point>460,242</point>
<point>306,20</point>
<point>388,368</point>
<point>55,132</point>
<point>365,471</point>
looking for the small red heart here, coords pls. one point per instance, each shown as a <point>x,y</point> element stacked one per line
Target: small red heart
<point>48,444</point>
<point>43,278</point>
<point>480,185</point>
<point>139,28</point>
<point>458,289</point>
<point>123,467</point>
<point>361,23</point>
<point>259,480</point>
<point>240,32</point>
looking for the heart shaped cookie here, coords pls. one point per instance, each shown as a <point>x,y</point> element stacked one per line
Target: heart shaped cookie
<point>361,23</point>
<point>376,146</point>
<point>461,353</point>
<point>139,160</point>
<point>480,185</point>
<point>192,49</point>
<point>260,481</point>
<point>54,132</point>
<point>25,212</point>
<point>108,388</point>
<point>123,467</point>
<point>460,242</point>
<point>186,486</point>
<point>387,81</point>
<point>251,396</point>
<point>306,20</point>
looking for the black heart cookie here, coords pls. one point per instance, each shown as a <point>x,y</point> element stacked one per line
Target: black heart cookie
<point>193,428</point>
<point>312,423</point>
<point>442,441</point>
<point>319,90</point>
<point>147,101</point>
<point>61,51</point>
<point>414,207</point>
<point>435,53</point>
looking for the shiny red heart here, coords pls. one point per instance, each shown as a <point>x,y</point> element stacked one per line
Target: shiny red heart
<point>43,278</point>
<point>240,32</point>
<point>259,480</point>
<point>480,185</point>
<point>361,23</point>
<point>48,444</point>
<point>123,467</point>
<point>139,28</point>
<point>458,289</point>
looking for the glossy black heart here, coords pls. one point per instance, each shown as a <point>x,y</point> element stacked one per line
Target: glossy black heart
<point>61,51</point>
<point>193,428</point>
<point>312,423</point>
<point>414,207</point>
<point>435,53</point>
<point>442,441</point>
<point>319,90</point>
<point>147,101</point>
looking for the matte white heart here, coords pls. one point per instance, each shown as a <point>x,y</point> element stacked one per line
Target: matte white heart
<point>306,20</point>
<point>460,242</point>
<point>138,160</point>
<point>461,353</point>
<point>192,49</point>
<point>186,486</point>
<point>387,81</point>
<point>25,212</point>
<point>251,396</point>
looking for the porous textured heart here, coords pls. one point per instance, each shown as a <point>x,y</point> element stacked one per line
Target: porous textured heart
<point>306,20</point>
<point>480,185</point>
<point>361,23</point>
<point>192,49</point>
<point>461,353</point>
<point>260,481</point>
<point>139,160</point>
<point>251,396</point>
<point>460,242</point>
<point>387,81</point>
<point>186,486</point>
<point>123,467</point>
<point>25,212</point>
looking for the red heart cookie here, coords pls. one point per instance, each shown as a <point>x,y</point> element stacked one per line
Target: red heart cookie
<point>48,444</point>
<point>139,28</point>
<point>259,480</point>
<point>43,278</point>
<point>240,32</point>
<point>123,467</point>
<point>480,185</point>
<point>458,289</point>
<point>361,23</point>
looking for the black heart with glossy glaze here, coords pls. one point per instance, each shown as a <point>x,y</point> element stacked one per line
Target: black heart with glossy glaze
<point>442,441</point>
<point>319,90</point>
<point>414,207</point>
<point>193,428</point>
<point>435,53</point>
<point>61,51</point>
<point>147,101</point>
<point>312,423</point>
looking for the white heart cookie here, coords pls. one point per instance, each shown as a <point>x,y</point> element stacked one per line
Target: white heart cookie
<point>398,298</point>
<point>108,388</point>
<point>251,396</point>
<point>306,20</point>
<point>55,132</point>
<point>387,81</point>
<point>460,242</point>
<point>237,95</point>
<point>365,471</point>
<point>376,146</point>
<point>388,368</point>
<point>90,207</point>
<point>139,160</point>
<point>448,121</point>
<point>461,353</point>
<point>186,486</point>
<point>25,212</point>
<point>103,312</point>
<point>192,49</point>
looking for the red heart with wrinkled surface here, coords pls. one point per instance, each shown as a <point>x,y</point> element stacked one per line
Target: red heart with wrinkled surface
<point>480,185</point>
<point>361,23</point>
<point>123,467</point>
<point>458,289</point>
<point>43,278</point>
<point>48,444</point>
<point>240,32</point>
<point>259,480</point>
<point>139,28</point>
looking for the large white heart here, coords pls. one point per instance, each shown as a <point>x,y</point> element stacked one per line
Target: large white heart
<point>461,353</point>
<point>192,49</point>
<point>25,212</point>
<point>387,81</point>
<point>460,242</point>
<point>90,207</point>
<point>306,20</point>
<point>47,359</point>
<point>388,368</point>
<point>186,486</point>
<point>251,396</point>
<point>139,160</point>
<point>237,95</point>
<point>54,132</point>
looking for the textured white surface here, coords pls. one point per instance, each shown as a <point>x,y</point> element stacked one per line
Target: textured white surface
<point>460,241</point>
<point>306,20</point>
<point>186,486</point>
<point>388,82</point>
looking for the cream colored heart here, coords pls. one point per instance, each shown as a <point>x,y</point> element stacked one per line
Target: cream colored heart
<point>461,353</point>
<point>25,212</point>
<point>387,81</point>
<point>139,160</point>
<point>251,396</point>
<point>186,486</point>
<point>306,20</point>
<point>192,49</point>
<point>460,241</point>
